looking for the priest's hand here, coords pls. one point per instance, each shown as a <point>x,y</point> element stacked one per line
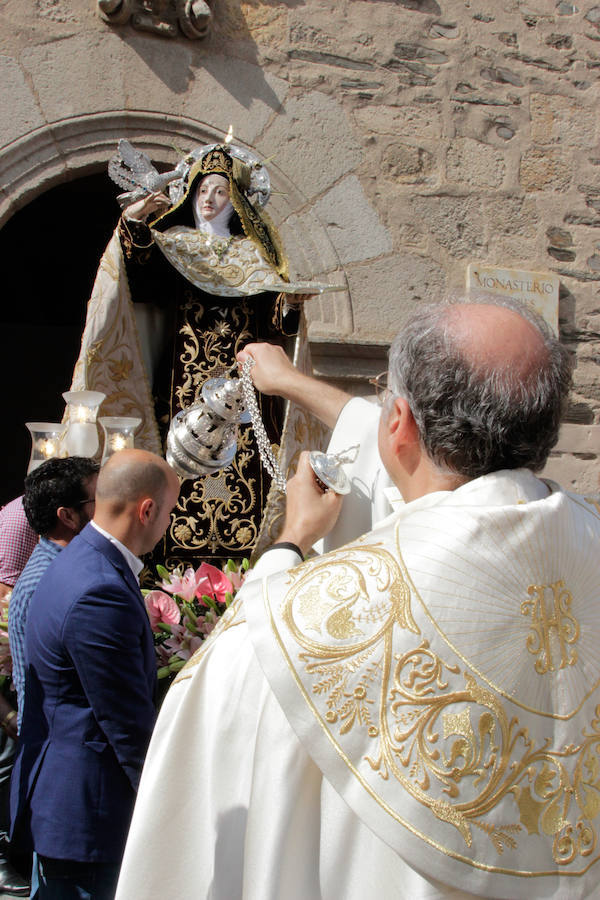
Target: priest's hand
<point>310,514</point>
<point>141,209</point>
<point>272,372</point>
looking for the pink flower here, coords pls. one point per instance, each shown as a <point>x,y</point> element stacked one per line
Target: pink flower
<point>237,579</point>
<point>182,642</point>
<point>185,585</point>
<point>213,582</point>
<point>161,608</point>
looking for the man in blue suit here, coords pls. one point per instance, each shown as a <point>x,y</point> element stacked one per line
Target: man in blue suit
<point>91,674</point>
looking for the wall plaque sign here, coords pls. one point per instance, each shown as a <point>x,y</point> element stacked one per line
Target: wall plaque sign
<point>538,289</point>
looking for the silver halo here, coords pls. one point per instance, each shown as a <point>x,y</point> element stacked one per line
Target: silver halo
<point>260,183</point>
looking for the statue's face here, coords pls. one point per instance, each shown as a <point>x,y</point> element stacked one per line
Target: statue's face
<point>212,196</point>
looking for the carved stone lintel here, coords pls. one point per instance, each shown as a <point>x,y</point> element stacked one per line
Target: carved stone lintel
<point>166,18</point>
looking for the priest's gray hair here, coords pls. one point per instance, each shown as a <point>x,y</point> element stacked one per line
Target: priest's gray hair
<point>474,420</point>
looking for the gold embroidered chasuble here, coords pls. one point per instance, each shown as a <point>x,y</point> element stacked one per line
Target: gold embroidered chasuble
<point>414,715</point>
<point>443,672</point>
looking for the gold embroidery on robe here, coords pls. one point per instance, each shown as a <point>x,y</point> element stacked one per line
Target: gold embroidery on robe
<point>428,723</point>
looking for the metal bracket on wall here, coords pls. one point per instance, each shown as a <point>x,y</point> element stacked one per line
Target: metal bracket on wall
<point>166,18</point>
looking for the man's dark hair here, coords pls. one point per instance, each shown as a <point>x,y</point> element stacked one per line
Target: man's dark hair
<point>57,482</point>
<point>474,420</point>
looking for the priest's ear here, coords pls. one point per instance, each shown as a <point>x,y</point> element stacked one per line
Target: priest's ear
<point>400,424</point>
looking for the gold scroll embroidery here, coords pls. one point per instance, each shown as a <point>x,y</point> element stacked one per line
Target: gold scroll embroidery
<point>553,626</point>
<point>449,741</point>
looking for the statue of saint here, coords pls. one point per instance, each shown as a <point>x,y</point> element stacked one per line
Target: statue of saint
<point>184,284</point>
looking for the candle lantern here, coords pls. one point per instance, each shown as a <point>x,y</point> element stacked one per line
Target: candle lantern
<point>82,433</point>
<point>45,442</point>
<point>119,432</point>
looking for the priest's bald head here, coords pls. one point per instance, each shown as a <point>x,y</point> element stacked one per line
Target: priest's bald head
<point>474,387</point>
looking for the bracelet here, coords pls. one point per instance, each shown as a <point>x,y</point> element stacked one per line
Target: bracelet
<point>8,718</point>
<point>287,545</point>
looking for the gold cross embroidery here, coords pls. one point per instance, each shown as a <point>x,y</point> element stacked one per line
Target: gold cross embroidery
<point>553,625</point>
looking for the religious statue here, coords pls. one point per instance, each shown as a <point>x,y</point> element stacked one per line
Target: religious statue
<point>207,274</point>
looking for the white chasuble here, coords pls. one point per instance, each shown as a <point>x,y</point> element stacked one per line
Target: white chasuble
<point>416,714</point>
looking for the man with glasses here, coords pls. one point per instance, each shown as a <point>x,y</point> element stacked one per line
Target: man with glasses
<point>59,501</point>
<point>414,714</point>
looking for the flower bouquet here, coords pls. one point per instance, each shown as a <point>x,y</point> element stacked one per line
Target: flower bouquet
<point>186,609</point>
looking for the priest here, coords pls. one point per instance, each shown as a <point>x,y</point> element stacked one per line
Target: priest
<point>415,714</point>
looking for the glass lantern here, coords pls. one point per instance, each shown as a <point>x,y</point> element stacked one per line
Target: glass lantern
<point>119,433</point>
<point>46,440</point>
<point>82,433</point>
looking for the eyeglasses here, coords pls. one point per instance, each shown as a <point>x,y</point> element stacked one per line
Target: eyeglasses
<point>380,383</point>
<point>83,502</point>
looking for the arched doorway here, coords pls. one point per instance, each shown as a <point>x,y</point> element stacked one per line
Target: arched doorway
<point>52,244</point>
<point>49,253</point>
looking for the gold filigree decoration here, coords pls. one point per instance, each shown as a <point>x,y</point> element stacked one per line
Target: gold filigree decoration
<point>220,513</point>
<point>333,603</point>
<point>226,271</point>
<point>424,722</point>
<point>553,626</point>
<point>120,369</point>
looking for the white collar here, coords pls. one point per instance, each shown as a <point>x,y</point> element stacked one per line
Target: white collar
<point>134,562</point>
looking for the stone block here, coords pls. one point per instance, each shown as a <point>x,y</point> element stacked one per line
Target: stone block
<point>56,11</point>
<point>494,125</point>
<point>544,170</point>
<point>456,223</point>
<point>308,245</point>
<point>579,439</point>
<point>60,72</point>
<point>227,91</point>
<point>386,291</point>
<point>587,379</point>
<point>313,142</point>
<point>475,164</point>
<point>512,215</point>
<point>421,121</point>
<point>351,222</point>
<point>559,237</point>
<point>329,315</point>
<point>573,473</point>
<point>407,164</point>
<point>19,111</point>
<point>559,119</point>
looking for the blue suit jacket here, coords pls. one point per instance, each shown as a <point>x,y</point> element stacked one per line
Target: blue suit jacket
<point>89,705</point>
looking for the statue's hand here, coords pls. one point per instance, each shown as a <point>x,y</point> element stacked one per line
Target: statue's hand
<point>141,209</point>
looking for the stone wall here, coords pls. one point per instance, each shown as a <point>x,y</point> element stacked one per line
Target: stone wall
<point>409,138</point>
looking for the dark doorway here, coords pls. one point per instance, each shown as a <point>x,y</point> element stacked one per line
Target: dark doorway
<point>49,254</point>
